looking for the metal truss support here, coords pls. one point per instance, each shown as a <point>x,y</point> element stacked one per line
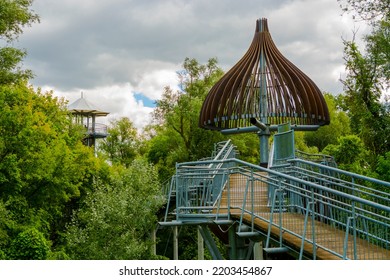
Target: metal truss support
<point>244,244</point>
<point>232,243</point>
<point>210,243</point>
<point>175,243</point>
<point>258,251</point>
<point>200,246</point>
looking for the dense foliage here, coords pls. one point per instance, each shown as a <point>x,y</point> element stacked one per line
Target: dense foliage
<point>366,99</point>
<point>116,218</point>
<point>60,201</point>
<point>14,15</point>
<point>43,164</point>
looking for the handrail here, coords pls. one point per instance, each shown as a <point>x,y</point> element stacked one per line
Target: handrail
<point>350,174</point>
<point>325,158</point>
<point>224,151</point>
<point>366,224</point>
<point>298,180</point>
<point>343,206</point>
<point>96,129</point>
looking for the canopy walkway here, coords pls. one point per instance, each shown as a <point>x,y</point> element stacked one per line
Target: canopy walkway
<point>299,207</point>
<point>291,203</point>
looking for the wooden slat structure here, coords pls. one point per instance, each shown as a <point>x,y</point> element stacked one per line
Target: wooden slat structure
<point>328,238</point>
<point>265,85</point>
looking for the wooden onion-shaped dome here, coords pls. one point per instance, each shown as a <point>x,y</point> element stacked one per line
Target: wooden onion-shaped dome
<point>266,86</point>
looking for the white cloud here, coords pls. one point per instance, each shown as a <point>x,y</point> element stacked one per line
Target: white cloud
<point>121,99</point>
<point>111,49</point>
<point>151,83</point>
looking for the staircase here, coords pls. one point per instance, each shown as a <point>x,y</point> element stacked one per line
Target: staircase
<point>306,209</point>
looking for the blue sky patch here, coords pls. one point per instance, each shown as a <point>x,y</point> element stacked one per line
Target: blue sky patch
<point>147,102</point>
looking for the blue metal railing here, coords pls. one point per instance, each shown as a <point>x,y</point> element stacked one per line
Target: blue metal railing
<point>199,186</point>
<point>317,158</point>
<point>330,211</point>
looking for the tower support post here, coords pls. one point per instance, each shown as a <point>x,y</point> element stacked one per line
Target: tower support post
<point>175,243</point>
<point>264,146</point>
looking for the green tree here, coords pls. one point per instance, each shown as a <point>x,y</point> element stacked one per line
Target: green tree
<point>29,245</point>
<point>350,154</point>
<point>122,143</point>
<point>164,151</point>
<point>329,134</point>
<point>367,10</point>
<point>383,167</point>
<point>14,15</point>
<point>178,136</point>
<point>367,79</point>
<point>248,146</point>
<point>116,219</point>
<point>302,145</point>
<point>370,118</point>
<point>44,167</point>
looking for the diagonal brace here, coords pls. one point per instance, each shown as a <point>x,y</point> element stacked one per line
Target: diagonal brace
<point>210,243</point>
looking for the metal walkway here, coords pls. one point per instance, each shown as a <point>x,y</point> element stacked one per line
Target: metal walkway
<point>306,209</point>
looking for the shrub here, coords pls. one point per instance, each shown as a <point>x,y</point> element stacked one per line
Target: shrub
<point>30,244</point>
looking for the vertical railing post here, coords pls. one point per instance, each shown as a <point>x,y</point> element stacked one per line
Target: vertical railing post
<point>232,242</point>
<point>229,194</point>
<point>272,214</point>
<point>169,195</point>
<point>304,229</point>
<point>175,243</point>
<point>345,247</point>
<point>178,195</point>
<point>200,246</point>
<point>280,191</point>
<point>354,220</point>
<point>244,203</point>
<point>252,202</point>
<point>350,220</point>
<point>310,204</point>
<point>313,232</point>
<point>225,178</point>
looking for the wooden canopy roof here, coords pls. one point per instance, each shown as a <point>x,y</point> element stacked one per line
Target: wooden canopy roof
<point>266,86</point>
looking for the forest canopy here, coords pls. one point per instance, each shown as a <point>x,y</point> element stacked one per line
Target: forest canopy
<point>61,200</point>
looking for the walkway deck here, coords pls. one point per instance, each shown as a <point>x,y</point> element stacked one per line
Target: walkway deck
<point>328,238</point>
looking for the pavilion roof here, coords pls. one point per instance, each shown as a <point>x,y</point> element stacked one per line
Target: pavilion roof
<point>84,107</point>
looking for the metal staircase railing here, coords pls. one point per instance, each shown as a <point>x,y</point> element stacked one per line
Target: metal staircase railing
<point>318,158</point>
<point>311,210</point>
<point>199,185</point>
<point>357,217</point>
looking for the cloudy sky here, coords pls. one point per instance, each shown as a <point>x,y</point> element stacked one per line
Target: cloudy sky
<point>121,53</point>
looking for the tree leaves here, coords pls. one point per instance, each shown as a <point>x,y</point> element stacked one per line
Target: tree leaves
<point>42,166</point>
<point>116,218</point>
<point>14,15</point>
<point>367,81</point>
<point>122,143</point>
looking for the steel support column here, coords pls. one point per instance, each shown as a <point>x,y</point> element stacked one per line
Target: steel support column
<point>258,251</point>
<point>200,246</point>
<point>232,243</point>
<point>175,243</point>
<point>264,146</point>
<point>210,243</point>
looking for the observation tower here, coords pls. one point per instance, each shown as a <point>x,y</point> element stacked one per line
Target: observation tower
<point>85,113</point>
